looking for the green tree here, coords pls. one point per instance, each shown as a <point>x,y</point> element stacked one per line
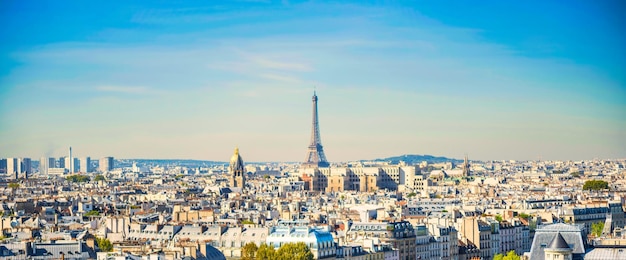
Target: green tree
<point>14,185</point>
<point>498,218</point>
<point>104,244</point>
<point>247,221</point>
<point>511,255</point>
<point>412,194</point>
<point>575,174</point>
<point>248,251</point>
<point>92,213</point>
<point>265,252</point>
<point>78,178</point>
<point>524,216</point>
<point>498,257</point>
<point>596,228</point>
<point>99,177</point>
<point>294,251</point>
<point>595,185</point>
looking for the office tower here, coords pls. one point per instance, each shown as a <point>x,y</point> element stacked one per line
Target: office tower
<point>71,164</point>
<point>26,167</point>
<point>237,171</point>
<point>315,155</point>
<point>3,165</point>
<point>61,162</point>
<point>46,163</point>
<point>12,168</point>
<point>85,164</point>
<point>106,164</point>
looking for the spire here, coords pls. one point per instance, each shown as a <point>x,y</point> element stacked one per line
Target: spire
<point>466,166</point>
<point>559,243</point>
<point>237,170</point>
<point>315,155</point>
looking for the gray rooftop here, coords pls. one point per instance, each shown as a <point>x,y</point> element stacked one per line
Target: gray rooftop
<point>606,254</point>
<point>558,243</point>
<point>544,237</point>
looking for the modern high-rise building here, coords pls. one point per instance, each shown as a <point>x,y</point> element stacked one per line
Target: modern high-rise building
<point>70,164</point>
<point>26,167</point>
<point>106,164</point>
<point>18,166</point>
<point>12,168</point>
<point>3,166</point>
<point>237,171</point>
<point>315,155</point>
<point>61,162</point>
<point>46,163</point>
<point>85,164</point>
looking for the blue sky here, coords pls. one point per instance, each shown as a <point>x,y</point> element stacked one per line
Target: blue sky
<point>193,79</point>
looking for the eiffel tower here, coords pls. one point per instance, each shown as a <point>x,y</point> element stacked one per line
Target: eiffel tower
<point>315,156</point>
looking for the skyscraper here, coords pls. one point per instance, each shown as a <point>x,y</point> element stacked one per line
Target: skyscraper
<point>106,164</point>
<point>3,165</point>
<point>26,167</point>
<point>12,168</point>
<point>17,166</point>
<point>61,162</point>
<point>315,155</point>
<point>237,171</point>
<point>70,164</point>
<point>85,164</point>
<point>46,163</point>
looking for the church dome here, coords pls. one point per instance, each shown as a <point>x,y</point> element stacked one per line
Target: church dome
<point>236,163</point>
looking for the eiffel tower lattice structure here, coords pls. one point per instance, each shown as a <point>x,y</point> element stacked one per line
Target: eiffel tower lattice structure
<point>315,155</point>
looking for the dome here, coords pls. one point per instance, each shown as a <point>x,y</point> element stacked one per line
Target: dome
<point>236,163</point>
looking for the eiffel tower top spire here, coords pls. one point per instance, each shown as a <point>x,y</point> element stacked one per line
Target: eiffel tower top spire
<point>315,154</point>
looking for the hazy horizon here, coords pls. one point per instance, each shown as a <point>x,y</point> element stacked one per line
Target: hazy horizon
<point>493,80</point>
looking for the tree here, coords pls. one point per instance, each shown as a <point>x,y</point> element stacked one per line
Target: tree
<point>511,255</point>
<point>596,185</point>
<point>247,221</point>
<point>412,194</point>
<point>296,251</point>
<point>99,177</point>
<point>524,216</point>
<point>265,252</point>
<point>14,185</point>
<point>248,251</point>
<point>499,218</point>
<point>575,174</point>
<point>104,244</point>
<point>596,228</point>
<point>78,178</point>
<point>92,213</point>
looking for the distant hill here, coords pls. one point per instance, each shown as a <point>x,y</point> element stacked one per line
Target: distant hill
<point>416,158</point>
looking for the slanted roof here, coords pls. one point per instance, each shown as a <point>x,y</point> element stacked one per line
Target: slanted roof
<point>559,242</point>
<point>545,235</point>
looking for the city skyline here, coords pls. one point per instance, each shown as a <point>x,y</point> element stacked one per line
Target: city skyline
<point>520,81</point>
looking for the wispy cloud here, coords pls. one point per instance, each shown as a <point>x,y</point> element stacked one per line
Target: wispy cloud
<point>277,77</point>
<point>280,65</point>
<point>125,89</point>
